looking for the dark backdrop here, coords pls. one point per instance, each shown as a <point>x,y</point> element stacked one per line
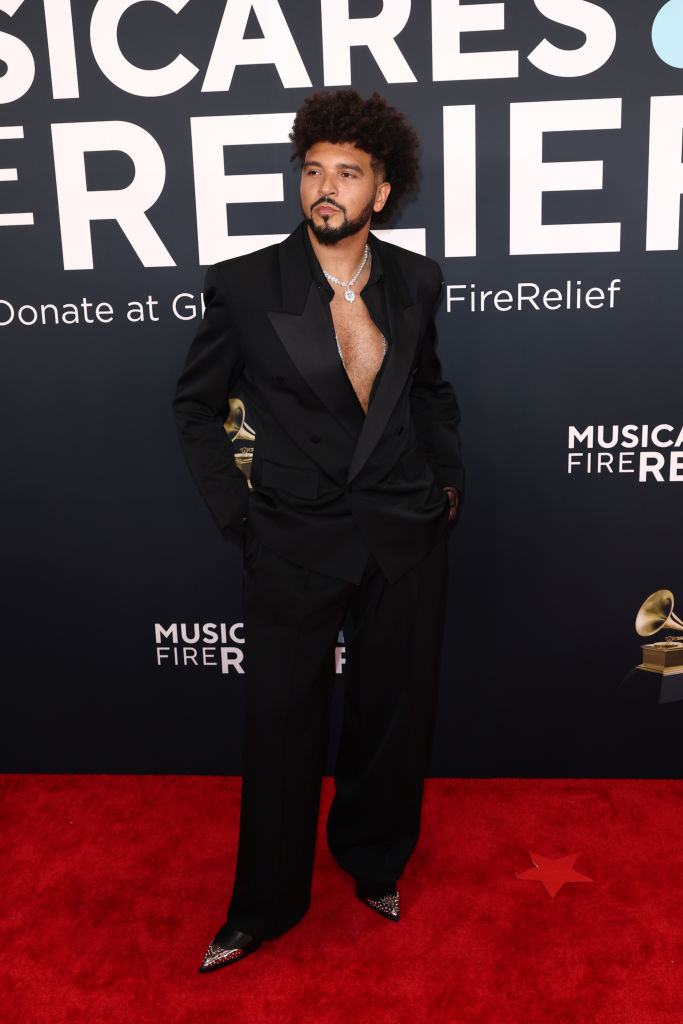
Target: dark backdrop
<point>108,546</point>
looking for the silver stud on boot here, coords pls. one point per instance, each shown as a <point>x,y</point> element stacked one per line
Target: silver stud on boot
<point>387,905</point>
<point>229,945</point>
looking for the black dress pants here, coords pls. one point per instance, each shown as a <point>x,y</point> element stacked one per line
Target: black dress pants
<point>393,638</point>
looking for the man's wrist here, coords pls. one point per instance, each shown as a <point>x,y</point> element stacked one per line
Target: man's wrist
<point>453,495</point>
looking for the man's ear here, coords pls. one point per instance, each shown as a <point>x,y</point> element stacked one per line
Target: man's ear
<point>381,196</point>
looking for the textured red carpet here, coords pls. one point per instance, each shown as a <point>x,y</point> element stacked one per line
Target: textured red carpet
<point>114,885</point>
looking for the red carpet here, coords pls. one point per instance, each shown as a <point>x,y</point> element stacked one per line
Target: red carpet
<point>114,885</point>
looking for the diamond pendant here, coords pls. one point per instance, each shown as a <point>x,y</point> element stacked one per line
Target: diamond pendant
<point>349,295</point>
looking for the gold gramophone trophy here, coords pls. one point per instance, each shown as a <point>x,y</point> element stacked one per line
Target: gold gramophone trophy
<point>239,431</point>
<point>665,656</point>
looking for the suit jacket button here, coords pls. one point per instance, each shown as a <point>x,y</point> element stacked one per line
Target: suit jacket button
<point>279,381</point>
<point>315,439</point>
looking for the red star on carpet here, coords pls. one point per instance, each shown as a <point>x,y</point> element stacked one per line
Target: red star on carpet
<point>553,873</point>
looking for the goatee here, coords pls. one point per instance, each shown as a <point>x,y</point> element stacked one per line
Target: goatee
<point>330,236</point>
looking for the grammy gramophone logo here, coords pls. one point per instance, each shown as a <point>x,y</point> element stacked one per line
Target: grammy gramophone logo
<point>664,657</point>
<point>241,435</point>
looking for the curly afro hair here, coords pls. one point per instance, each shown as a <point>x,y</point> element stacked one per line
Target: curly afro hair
<point>373,126</point>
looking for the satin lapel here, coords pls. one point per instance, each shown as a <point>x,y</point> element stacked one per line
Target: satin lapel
<point>404,325</point>
<point>304,331</point>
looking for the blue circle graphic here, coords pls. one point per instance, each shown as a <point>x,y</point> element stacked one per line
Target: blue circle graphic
<point>667,33</point>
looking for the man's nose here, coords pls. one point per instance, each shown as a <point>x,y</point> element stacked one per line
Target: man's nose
<point>326,186</point>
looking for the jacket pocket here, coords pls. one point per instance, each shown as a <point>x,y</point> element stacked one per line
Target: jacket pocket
<point>292,479</point>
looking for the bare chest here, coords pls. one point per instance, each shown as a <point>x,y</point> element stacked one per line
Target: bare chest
<point>360,343</point>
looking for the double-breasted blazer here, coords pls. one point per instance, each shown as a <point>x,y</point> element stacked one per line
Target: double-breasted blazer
<point>330,484</point>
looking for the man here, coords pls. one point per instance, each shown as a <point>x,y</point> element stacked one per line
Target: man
<point>329,341</point>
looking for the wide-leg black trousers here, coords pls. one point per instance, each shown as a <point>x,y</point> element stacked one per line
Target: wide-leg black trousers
<point>393,634</point>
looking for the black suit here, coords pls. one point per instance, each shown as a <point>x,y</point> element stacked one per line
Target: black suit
<point>346,522</point>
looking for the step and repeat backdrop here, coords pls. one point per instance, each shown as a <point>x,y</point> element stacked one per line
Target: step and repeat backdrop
<point>142,141</point>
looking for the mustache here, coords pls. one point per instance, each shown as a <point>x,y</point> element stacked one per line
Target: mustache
<point>328,202</point>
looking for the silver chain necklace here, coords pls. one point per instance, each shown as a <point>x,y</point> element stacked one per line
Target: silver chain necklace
<point>349,294</point>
